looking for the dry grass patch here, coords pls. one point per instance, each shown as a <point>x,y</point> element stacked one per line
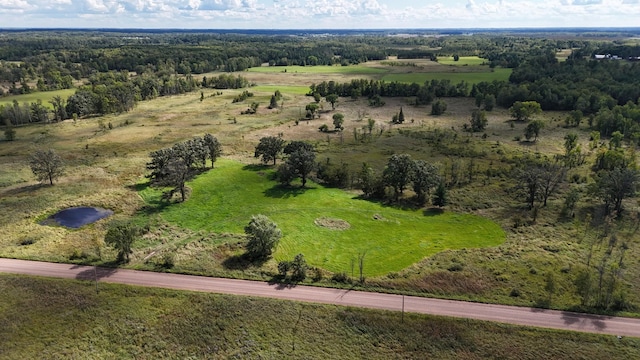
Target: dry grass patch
<point>331,223</point>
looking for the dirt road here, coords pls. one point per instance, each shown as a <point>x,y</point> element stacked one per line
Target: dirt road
<point>500,313</point>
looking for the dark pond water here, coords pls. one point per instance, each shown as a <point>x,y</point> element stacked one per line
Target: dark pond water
<point>76,217</point>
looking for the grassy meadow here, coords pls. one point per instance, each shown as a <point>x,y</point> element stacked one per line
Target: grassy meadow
<point>67,319</point>
<point>43,96</point>
<point>320,69</point>
<point>472,77</point>
<point>224,199</point>
<point>462,61</point>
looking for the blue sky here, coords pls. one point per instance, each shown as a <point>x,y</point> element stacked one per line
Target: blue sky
<point>318,14</point>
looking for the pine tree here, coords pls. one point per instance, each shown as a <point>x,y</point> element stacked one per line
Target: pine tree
<point>273,104</point>
<point>440,196</point>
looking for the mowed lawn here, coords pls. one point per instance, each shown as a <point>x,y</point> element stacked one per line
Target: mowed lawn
<point>455,77</point>
<point>224,199</point>
<point>43,96</point>
<point>320,69</point>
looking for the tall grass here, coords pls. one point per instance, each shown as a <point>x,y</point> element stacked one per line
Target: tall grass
<point>54,318</point>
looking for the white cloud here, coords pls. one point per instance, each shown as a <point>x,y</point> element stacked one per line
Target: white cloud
<point>586,2</point>
<point>15,5</point>
<point>321,13</point>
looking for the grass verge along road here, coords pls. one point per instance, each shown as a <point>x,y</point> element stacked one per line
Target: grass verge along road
<point>500,313</point>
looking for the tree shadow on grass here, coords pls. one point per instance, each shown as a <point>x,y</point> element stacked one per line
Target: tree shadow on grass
<point>24,189</point>
<point>265,170</point>
<point>285,192</point>
<point>152,204</point>
<point>433,211</point>
<point>401,204</point>
<point>257,167</point>
<point>242,262</point>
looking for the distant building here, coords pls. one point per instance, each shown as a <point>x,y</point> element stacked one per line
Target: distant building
<point>606,57</point>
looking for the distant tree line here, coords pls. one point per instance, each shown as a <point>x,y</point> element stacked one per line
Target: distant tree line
<point>424,93</point>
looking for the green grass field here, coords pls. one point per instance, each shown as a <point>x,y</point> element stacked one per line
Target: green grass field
<point>44,96</point>
<point>284,89</point>
<point>65,319</point>
<point>321,69</point>
<point>462,61</point>
<point>224,199</point>
<point>455,77</point>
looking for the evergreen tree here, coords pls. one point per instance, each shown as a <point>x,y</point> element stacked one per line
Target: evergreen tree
<point>440,196</point>
<point>273,103</point>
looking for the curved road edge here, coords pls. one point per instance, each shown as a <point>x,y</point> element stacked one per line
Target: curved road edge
<point>554,319</point>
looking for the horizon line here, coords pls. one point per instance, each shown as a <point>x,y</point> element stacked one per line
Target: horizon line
<point>618,28</point>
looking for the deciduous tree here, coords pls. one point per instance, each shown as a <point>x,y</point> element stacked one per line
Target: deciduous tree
<point>269,148</point>
<point>46,165</point>
<point>533,130</point>
<point>263,236</point>
<point>121,236</point>
<point>213,146</point>
<point>613,186</point>
<point>338,120</point>
<point>302,162</point>
<point>524,110</point>
<point>398,173</point>
<point>311,110</point>
<point>332,99</point>
<point>478,120</point>
<point>424,177</point>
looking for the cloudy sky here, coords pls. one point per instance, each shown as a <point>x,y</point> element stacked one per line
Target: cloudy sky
<point>318,14</point>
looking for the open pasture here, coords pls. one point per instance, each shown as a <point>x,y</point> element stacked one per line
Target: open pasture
<point>462,61</point>
<point>224,199</point>
<point>471,77</point>
<point>43,96</point>
<point>320,69</point>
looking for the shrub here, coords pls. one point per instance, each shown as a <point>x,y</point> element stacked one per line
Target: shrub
<point>299,268</point>
<point>168,260</point>
<point>317,274</point>
<point>27,241</point>
<point>243,96</point>
<point>455,267</point>
<point>283,268</point>
<point>341,277</point>
<point>438,107</point>
<point>9,134</point>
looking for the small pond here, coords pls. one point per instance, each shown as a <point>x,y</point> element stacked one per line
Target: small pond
<point>77,217</point>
